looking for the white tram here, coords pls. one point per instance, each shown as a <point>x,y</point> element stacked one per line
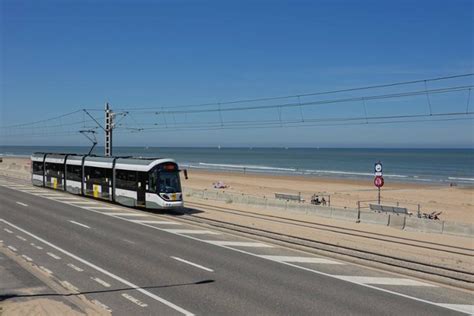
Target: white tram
<point>139,182</point>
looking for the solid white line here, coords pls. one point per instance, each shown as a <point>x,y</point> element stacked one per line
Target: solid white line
<point>27,258</point>
<point>106,208</point>
<point>75,267</point>
<point>83,202</point>
<point>77,223</point>
<point>126,214</point>
<point>22,204</point>
<point>53,255</point>
<point>101,282</point>
<point>134,300</point>
<point>21,238</point>
<point>237,243</point>
<point>111,275</point>
<point>12,248</point>
<point>299,259</point>
<point>193,264</point>
<point>469,309</point>
<point>191,231</point>
<point>383,280</point>
<point>154,222</point>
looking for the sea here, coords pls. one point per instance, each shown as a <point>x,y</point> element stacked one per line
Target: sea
<point>436,166</point>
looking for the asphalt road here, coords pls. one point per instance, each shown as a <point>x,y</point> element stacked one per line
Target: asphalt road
<point>135,269</point>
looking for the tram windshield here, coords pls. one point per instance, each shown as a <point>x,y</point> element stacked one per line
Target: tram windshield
<point>168,182</point>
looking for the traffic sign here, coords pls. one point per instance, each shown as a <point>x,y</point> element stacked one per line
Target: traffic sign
<point>378,181</point>
<point>378,167</point>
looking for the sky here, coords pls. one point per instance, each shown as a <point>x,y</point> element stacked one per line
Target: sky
<point>61,56</point>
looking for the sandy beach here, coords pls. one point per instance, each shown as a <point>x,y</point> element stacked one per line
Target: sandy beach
<point>456,203</point>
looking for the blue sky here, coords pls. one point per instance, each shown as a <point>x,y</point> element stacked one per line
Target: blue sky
<point>59,56</point>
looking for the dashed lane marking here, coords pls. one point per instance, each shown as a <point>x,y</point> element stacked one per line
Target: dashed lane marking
<point>383,280</point>
<point>101,282</point>
<point>36,246</point>
<point>300,259</point>
<point>126,214</point>
<point>134,300</point>
<point>12,248</point>
<point>109,274</point>
<point>191,231</point>
<point>22,204</point>
<point>45,270</point>
<point>53,255</point>
<point>75,267</point>
<point>27,258</point>
<point>20,237</point>
<point>469,309</point>
<point>193,264</point>
<point>79,224</point>
<point>238,243</point>
<point>69,286</point>
<point>102,305</point>
<point>8,231</point>
<point>155,222</point>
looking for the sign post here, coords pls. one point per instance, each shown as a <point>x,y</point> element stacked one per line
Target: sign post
<point>378,181</point>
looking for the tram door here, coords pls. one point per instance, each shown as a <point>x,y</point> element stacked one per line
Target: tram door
<point>142,179</point>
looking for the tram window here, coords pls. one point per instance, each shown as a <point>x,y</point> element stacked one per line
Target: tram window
<point>97,175</point>
<point>37,167</point>
<point>153,179</point>
<point>126,179</point>
<point>54,169</point>
<point>74,173</point>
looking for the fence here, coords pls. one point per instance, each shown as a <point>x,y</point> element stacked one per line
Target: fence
<point>399,221</point>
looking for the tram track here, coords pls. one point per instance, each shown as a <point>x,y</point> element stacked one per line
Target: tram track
<point>425,270</point>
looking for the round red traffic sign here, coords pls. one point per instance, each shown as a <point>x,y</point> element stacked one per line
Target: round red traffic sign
<point>378,181</point>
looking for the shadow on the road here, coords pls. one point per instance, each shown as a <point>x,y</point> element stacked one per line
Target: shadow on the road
<point>7,296</point>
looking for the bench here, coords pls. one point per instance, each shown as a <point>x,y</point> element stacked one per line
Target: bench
<point>386,208</point>
<point>289,197</point>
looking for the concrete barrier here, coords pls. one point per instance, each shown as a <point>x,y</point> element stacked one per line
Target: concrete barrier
<point>347,215</point>
<point>374,218</point>
<point>423,225</point>
<point>459,229</point>
<point>397,221</point>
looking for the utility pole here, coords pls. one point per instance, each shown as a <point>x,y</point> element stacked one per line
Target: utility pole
<point>109,125</point>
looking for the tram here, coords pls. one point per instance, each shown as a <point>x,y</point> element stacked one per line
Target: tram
<point>152,183</point>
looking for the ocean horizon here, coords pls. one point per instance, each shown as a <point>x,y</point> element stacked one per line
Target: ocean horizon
<point>429,165</point>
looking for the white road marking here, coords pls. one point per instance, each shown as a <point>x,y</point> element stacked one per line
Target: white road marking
<point>383,280</point>
<point>102,305</point>
<point>106,208</point>
<point>27,258</point>
<point>126,214</point>
<point>83,202</point>
<point>154,222</point>
<point>36,246</point>
<point>69,286</point>
<point>79,224</point>
<point>75,267</point>
<point>101,282</point>
<point>191,231</point>
<point>20,237</point>
<point>45,270</point>
<point>53,255</point>
<point>300,259</point>
<point>469,309</point>
<point>134,300</point>
<point>8,231</point>
<point>12,248</point>
<point>237,243</point>
<point>109,274</point>
<point>22,204</point>
<point>193,264</point>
